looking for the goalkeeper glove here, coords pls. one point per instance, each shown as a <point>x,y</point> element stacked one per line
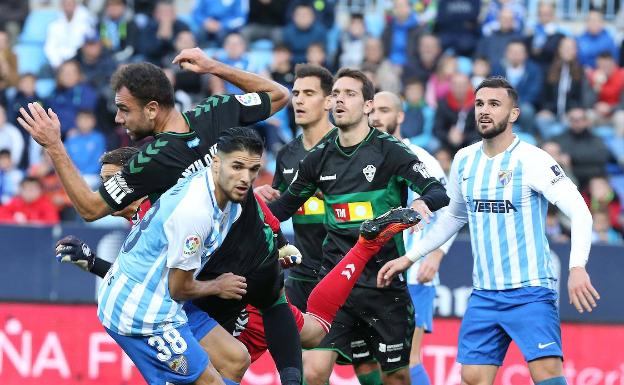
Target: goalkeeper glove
<point>73,250</point>
<point>289,255</point>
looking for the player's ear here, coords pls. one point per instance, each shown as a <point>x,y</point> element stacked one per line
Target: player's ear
<point>368,106</point>
<point>400,117</point>
<point>151,109</point>
<point>328,103</point>
<point>514,115</point>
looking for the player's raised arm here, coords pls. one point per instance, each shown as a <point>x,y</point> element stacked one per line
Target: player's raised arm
<point>45,128</point>
<point>195,60</point>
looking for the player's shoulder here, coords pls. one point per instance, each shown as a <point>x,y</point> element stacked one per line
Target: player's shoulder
<point>467,151</point>
<point>531,156</point>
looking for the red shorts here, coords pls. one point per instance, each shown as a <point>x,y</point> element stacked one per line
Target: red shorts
<point>252,336</point>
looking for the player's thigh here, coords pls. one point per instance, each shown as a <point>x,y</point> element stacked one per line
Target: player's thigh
<point>318,365</point>
<point>311,333</point>
<point>482,341</point>
<point>298,291</point>
<point>534,325</point>
<point>478,374</point>
<point>174,356</point>
<point>228,355</point>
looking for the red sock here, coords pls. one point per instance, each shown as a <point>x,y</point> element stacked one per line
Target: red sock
<point>334,289</point>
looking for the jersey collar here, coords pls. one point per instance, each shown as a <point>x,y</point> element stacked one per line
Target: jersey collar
<point>213,198</point>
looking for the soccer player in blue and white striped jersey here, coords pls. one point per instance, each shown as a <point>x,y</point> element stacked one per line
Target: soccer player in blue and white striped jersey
<point>502,186</point>
<point>140,303</point>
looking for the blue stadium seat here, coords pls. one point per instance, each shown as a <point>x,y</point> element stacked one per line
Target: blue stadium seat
<point>45,87</point>
<point>36,25</point>
<point>260,59</point>
<point>261,45</point>
<point>30,57</point>
<point>188,19</point>
<point>617,181</point>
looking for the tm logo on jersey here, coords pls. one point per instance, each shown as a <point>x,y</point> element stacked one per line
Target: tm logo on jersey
<point>353,211</point>
<point>494,206</point>
<point>117,187</point>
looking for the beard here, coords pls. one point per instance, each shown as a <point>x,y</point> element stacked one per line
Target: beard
<point>498,129</point>
<point>391,128</point>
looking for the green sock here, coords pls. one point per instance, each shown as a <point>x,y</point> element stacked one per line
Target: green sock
<point>372,378</point>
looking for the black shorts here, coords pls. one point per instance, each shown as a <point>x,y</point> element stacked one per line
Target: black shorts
<point>298,291</point>
<point>373,325</point>
<point>264,285</point>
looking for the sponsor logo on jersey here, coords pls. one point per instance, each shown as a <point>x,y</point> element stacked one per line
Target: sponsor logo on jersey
<point>420,168</point>
<point>117,187</point>
<point>383,348</point>
<point>191,245</point>
<point>494,206</point>
<point>369,172</point>
<point>353,211</point>
<point>193,143</point>
<point>505,176</point>
<point>313,206</point>
<point>251,99</point>
<point>327,177</point>
<point>288,170</point>
<point>559,175</point>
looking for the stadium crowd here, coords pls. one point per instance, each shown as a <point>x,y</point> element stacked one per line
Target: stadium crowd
<point>433,53</point>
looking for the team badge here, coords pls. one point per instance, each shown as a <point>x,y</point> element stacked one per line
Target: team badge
<point>179,365</point>
<point>247,100</point>
<point>369,172</point>
<point>191,245</point>
<point>504,176</point>
<point>420,168</point>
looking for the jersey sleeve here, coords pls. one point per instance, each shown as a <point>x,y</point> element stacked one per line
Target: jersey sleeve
<point>142,176</point>
<point>547,177</point>
<point>453,190</point>
<point>220,112</point>
<point>302,187</point>
<point>186,230</point>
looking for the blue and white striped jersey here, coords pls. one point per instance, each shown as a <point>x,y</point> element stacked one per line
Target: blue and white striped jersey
<point>506,198</point>
<point>435,170</point>
<point>180,231</point>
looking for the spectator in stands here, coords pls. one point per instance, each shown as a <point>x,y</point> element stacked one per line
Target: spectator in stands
<point>234,54</point>
<point>491,46</point>
<point>183,101</point>
<point>26,93</point>
<point>218,18</point>
<point>600,196</point>
<point>423,65</point>
<point>316,54</point>
<point>527,79</point>
<point>303,31</point>
<point>10,177</point>
<point>52,187</point>
<point>10,138</point>
<point>555,231</point>
<point>454,123</point>
<point>457,25</point>
<point>323,9</point>
<point>13,13</point>
<point>30,206</point>
<point>385,72</point>
<point>71,95</point>
<point>351,44</point>
<point>607,87</point>
<point>481,69</point>
<point>564,88</point>
<point>281,68</point>
<point>588,153</point>
<point>85,145</point>
<point>602,231</point>
<point>117,30</point>
<point>418,122</point>
<point>401,29</point>
<point>492,22</point>
<point>444,156</point>
<point>156,39</point>
<point>595,40</point>
<point>96,62</point>
<point>546,36</point>
<point>188,81</point>
<point>8,63</point>
<point>67,33</point>
<point>266,20</point>
<point>439,83</point>
<point>563,159</point>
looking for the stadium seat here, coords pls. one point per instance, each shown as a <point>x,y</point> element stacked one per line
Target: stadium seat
<point>188,19</point>
<point>261,45</point>
<point>36,25</point>
<point>45,87</point>
<point>260,59</point>
<point>30,57</point>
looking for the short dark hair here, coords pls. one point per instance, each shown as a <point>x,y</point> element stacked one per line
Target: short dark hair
<point>31,179</point>
<point>119,156</point>
<point>146,82</point>
<point>516,40</point>
<point>499,82</point>
<point>240,139</point>
<point>605,55</point>
<point>312,70</point>
<point>368,89</point>
<point>5,152</point>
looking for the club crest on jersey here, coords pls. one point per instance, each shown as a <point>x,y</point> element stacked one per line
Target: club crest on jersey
<point>369,172</point>
<point>504,176</point>
<point>191,245</point>
<point>247,100</point>
<point>420,168</point>
<point>179,365</point>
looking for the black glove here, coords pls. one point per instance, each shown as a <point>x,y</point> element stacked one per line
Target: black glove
<point>73,250</point>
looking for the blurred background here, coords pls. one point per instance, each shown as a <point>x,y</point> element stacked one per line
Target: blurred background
<point>564,57</point>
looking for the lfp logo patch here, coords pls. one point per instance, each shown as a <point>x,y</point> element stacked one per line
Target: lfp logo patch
<point>191,244</point>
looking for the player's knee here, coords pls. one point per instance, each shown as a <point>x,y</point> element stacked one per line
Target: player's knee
<point>399,377</point>
<point>471,376</point>
<point>210,376</point>
<point>314,373</point>
<point>237,363</point>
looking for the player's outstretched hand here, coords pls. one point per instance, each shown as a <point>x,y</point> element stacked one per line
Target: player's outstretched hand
<point>43,126</point>
<point>421,208</point>
<point>231,286</point>
<point>72,250</point>
<point>392,268</point>
<point>195,60</point>
<point>289,256</point>
<point>267,193</point>
<point>582,294</point>
<point>429,266</point>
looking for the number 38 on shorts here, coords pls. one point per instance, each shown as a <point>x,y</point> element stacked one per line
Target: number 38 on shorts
<point>170,341</point>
